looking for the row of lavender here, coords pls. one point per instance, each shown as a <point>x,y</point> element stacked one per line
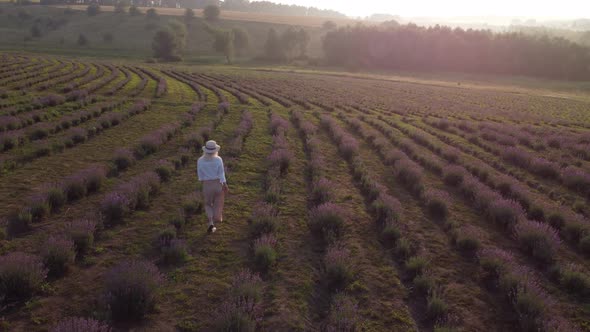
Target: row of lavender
<point>72,188</point>
<point>572,227</point>
<point>536,240</point>
<point>570,176</point>
<point>389,217</point>
<point>45,144</point>
<point>528,136</point>
<point>327,222</point>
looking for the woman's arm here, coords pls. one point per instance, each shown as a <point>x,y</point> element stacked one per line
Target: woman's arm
<point>200,174</point>
<point>221,172</point>
<point>222,178</point>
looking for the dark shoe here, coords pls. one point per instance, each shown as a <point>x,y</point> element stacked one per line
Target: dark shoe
<point>211,229</point>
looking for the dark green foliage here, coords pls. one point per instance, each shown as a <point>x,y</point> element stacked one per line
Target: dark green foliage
<point>57,253</point>
<point>415,266</point>
<point>264,257</point>
<point>389,235</point>
<point>82,40</point>
<point>152,14</point>
<point>93,9</point>
<point>423,284</point>
<point>108,37</point>
<point>211,13</point>
<point>19,222</point>
<point>134,11</point>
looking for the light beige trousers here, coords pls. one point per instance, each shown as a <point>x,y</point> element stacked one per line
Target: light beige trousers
<point>213,198</point>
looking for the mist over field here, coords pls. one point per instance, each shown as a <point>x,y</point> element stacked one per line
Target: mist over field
<point>203,165</point>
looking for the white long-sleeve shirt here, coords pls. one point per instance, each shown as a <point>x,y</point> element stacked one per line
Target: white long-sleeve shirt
<point>211,169</point>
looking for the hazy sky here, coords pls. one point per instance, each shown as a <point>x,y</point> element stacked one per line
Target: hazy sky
<point>527,8</point>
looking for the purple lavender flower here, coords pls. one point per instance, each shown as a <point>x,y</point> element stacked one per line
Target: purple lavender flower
<point>78,324</point>
<point>344,314</point>
<point>22,275</point>
<point>505,212</point>
<point>327,219</point>
<point>114,206</point>
<point>130,289</point>
<point>540,240</point>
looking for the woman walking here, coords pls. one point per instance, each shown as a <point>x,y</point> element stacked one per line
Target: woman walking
<point>212,174</point>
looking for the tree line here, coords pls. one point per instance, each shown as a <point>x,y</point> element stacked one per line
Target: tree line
<point>235,5</point>
<point>410,47</point>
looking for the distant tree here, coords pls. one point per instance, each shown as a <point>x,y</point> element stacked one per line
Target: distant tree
<point>295,42</point>
<point>93,9</point>
<point>273,47</point>
<point>36,31</point>
<point>82,40</point>
<point>169,42</point>
<point>134,11</point>
<point>329,25</point>
<point>390,24</point>
<point>241,39</point>
<point>107,37</point>
<point>302,42</point>
<point>121,7</point>
<point>152,14</point>
<point>165,44</point>
<point>223,42</point>
<point>189,15</point>
<point>180,34</point>
<point>23,15</point>
<point>211,13</point>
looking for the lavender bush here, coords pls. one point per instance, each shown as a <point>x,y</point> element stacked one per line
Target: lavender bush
<point>437,202</point>
<point>114,207</point>
<point>505,212</point>
<point>327,220</point>
<point>79,324</point>
<point>57,253</point>
<point>123,158</point>
<point>467,239</point>
<point>322,191</point>
<point>19,222</point>
<point>538,239</point>
<point>339,267</point>
<point>344,314</point>
<point>264,252</point>
<point>81,232</point>
<point>21,275</point>
<point>576,179</point>
<point>281,159</point>
<point>39,206</point>
<point>175,253</point>
<point>130,289</point>
<point>387,209</point>
<point>164,169</point>
<point>94,177</point>
<point>75,186</point>
<point>263,219</point>
<point>575,280</point>
<point>453,175</point>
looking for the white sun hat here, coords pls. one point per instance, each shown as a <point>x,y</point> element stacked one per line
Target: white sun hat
<point>211,147</point>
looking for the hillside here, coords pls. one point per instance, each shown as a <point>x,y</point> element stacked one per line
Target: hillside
<point>132,36</point>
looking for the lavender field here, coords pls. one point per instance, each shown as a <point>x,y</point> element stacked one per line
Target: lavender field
<point>357,203</point>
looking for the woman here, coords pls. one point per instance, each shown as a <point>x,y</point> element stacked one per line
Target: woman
<point>212,174</point>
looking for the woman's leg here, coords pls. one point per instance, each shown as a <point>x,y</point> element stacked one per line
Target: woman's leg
<point>208,200</point>
<point>218,204</point>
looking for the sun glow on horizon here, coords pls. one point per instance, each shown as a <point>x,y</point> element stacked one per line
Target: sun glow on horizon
<point>455,8</point>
